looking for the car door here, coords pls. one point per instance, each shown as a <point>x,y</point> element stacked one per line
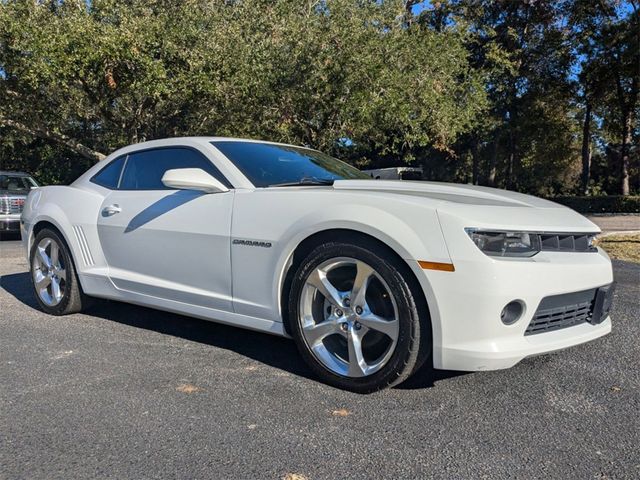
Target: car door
<point>166,243</point>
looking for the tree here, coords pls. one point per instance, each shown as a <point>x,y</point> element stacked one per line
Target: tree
<point>608,37</point>
<point>511,94</point>
<point>96,75</point>
<point>527,139</point>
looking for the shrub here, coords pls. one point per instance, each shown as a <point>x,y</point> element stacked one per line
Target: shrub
<point>604,204</point>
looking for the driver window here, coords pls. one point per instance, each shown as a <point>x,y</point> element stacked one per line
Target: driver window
<point>144,170</point>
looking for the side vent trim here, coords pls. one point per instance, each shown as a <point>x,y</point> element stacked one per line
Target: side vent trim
<point>87,258</point>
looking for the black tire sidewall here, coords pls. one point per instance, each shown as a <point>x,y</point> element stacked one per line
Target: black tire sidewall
<point>403,359</point>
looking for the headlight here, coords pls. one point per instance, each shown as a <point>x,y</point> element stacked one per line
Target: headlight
<point>505,244</point>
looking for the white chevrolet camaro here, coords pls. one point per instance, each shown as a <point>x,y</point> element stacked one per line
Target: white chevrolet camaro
<point>370,277</point>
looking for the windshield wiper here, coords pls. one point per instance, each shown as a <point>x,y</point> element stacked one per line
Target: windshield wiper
<point>305,181</point>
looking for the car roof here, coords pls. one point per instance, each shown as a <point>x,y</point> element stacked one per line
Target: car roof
<point>231,139</point>
<point>177,141</point>
<point>182,141</point>
<point>17,174</point>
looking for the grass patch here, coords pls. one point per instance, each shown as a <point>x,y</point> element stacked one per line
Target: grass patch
<point>622,246</point>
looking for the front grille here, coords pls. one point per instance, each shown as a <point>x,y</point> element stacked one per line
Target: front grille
<point>11,205</point>
<point>562,242</point>
<point>563,311</point>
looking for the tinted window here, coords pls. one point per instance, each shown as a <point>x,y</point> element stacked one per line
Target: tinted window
<point>268,165</point>
<point>411,175</point>
<point>144,170</point>
<point>108,177</point>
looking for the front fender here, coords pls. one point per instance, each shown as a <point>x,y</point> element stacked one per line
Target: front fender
<point>401,237</point>
<point>405,241</point>
<point>73,212</point>
<point>285,219</point>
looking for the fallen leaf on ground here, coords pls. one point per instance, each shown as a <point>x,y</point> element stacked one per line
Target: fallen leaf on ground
<point>342,412</point>
<point>187,388</point>
<point>294,476</point>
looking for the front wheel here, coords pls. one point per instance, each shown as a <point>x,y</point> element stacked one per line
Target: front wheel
<point>354,318</point>
<point>53,275</point>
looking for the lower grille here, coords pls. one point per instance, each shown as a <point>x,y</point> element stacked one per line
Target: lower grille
<point>563,311</point>
<point>546,320</point>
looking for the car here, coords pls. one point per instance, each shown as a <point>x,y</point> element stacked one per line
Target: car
<point>14,188</point>
<point>371,278</point>
<point>396,173</point>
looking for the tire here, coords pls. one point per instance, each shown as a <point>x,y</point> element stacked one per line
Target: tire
<point>383,330</point>
<point>71,299</point>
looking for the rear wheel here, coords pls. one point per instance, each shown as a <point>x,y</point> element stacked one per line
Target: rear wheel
<point>53,275</point>
<point>355,319</point>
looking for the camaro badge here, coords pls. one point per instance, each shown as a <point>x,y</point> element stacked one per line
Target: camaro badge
<point>252,243</point>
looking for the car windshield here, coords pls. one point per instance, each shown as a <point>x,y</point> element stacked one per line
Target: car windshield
<point>267,165</point>
<point>17,183</point>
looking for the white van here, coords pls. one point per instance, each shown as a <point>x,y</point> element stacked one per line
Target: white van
<point>396,173</point>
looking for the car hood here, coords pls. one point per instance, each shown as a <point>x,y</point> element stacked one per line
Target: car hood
<point>449,192</point>
<point>482,206</point>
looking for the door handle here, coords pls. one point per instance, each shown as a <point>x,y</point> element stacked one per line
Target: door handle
<point>111,210</point>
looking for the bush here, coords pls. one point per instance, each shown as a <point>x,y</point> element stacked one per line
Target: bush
<point>604,204</point>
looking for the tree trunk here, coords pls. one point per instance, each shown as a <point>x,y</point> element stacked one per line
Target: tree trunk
<point>512,145</point>
<point>510,170</point>
<point>627,108</point>
<point>47,134</point>
<point>491,177</point>
<point>624,154</point>
<point>475,168</point>
<point>511,157</point>
<point>586,148</point>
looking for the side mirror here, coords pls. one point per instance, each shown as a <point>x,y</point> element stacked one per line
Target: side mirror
<point>192,179</point>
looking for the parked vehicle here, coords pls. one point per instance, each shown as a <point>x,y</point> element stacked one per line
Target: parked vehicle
<point>396,173</point>
<point>14,188</point>
<point>370,277</point>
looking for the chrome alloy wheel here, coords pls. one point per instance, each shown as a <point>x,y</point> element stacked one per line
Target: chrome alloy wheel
<point>349,317</point>
<point>49,273</point>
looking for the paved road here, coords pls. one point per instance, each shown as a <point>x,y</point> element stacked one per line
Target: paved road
<point>616,223</point>
<point>128,392</point>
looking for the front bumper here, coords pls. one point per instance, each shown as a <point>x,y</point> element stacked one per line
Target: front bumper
<point>9,223</point>
<point>470,334</point>
<point>507,352</point>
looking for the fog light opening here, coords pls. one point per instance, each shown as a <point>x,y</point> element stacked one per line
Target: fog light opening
<point>512,312</point>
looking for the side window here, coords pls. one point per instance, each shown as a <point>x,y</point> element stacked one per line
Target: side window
<point>108,177</point>
<point>144,170</point>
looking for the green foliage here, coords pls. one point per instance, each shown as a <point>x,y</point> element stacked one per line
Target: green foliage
<point>48,162</point>
<point>474,91</point>
<point>110,73</point>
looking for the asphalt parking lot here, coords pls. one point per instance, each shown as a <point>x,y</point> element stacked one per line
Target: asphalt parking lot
<point>129,392</point>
